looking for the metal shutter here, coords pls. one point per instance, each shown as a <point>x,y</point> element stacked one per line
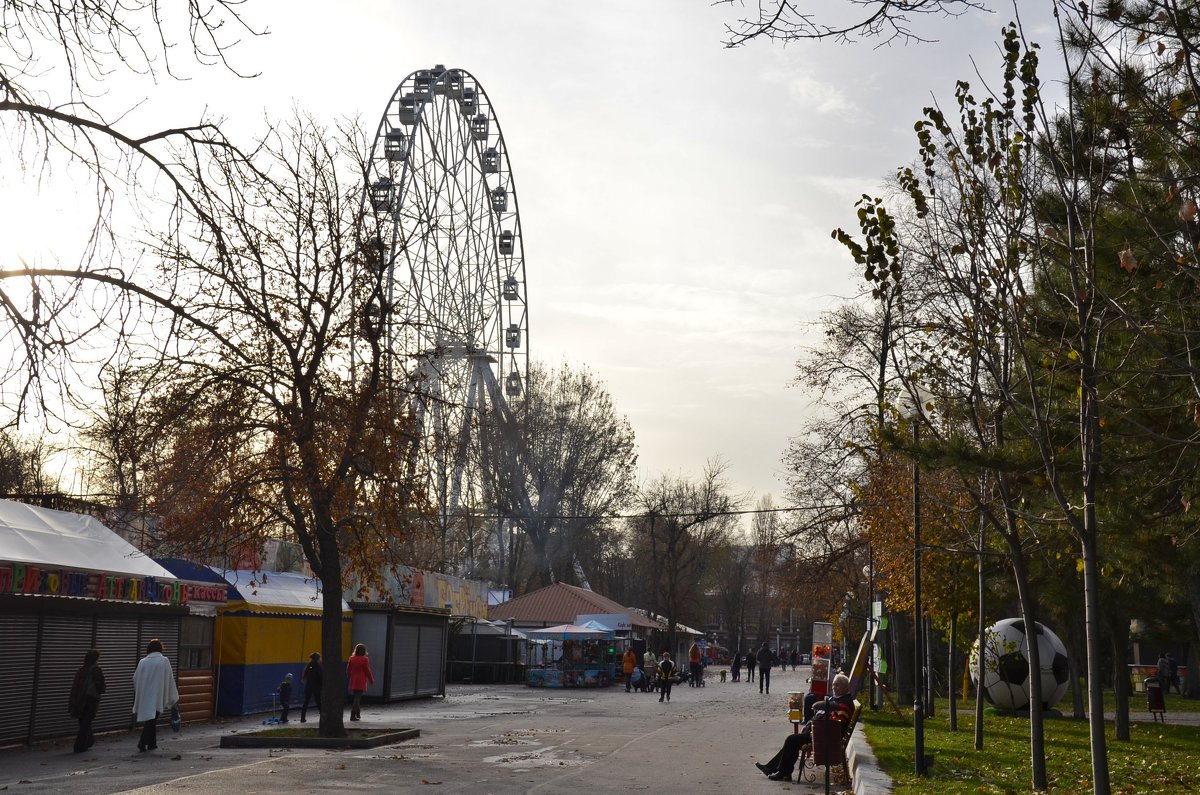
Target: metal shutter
<point>18,639</point>
<point>63,641</point>
<point>166,629</point>
<point>431,660</point>
<point>117,640</point>
<point>403,660</point>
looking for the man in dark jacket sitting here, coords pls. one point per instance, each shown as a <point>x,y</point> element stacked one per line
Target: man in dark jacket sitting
<point>839,706</point>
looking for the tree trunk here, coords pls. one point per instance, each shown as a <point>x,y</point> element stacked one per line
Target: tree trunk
<point>950,672</point>
<point>1119,632</point>
<point>1037,734</point>
<point>980,628</point>
<point>1076,651</point>
<point>1092,621</point>
<point>333,666</point>
<point>903,678</point>
<point>1192,686</point>
<point>928,658</point>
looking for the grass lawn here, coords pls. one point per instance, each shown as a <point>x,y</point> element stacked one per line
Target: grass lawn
<point>1158,759</point>
<point>1137,703</point>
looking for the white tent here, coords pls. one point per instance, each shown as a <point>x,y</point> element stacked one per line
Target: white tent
<point>48,538</point>
<point>275,589</point>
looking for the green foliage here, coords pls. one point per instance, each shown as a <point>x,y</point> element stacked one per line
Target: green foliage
<point>879,254</point>
<point>1158,758</point>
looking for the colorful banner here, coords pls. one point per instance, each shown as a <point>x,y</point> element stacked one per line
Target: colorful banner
<point>27,579</point>
<point>409,586</point>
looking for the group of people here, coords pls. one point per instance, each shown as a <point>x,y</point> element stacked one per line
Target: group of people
<point>763,660</point>
<point>653,675</point>
<point>155,692</point>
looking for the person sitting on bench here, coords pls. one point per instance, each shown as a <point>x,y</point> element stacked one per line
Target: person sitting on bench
<point>839,706</point>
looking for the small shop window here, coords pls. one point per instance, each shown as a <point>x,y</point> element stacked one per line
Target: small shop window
<point>195,643</point>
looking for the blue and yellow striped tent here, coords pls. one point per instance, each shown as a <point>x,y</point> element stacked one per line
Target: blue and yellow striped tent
<point>269,627</point>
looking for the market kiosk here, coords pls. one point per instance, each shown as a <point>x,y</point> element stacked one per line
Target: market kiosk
<point>572,655</point>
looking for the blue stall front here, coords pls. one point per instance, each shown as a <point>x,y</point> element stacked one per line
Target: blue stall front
<point>572,655</point>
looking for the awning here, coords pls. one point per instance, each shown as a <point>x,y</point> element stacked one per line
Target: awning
<point>570,632</point>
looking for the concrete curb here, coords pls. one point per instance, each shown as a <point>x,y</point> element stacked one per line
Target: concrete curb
<point>868,777</point>
<point>368,740</point>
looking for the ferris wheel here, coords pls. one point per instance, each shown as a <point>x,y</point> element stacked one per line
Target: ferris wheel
<point>441,188</point>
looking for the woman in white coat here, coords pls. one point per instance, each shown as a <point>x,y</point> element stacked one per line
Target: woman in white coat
<point>154,691</point>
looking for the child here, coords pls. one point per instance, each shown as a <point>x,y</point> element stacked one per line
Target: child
<point>285,697</point>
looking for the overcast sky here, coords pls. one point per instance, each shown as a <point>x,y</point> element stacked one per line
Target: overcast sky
<point>676,197</point>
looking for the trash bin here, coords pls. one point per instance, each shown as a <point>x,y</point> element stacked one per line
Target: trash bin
<point>1155,702</point>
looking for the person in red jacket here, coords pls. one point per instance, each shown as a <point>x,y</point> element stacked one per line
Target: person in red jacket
<point>358,672</point>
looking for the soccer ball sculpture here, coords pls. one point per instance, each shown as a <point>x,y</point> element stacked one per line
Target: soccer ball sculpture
<point>1006,672</point>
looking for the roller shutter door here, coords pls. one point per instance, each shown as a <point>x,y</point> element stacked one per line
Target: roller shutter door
<point>18,639</point>
<point>117,640</point>
<point>63,642</point>
<point>403,660</point>
<point>166,629</point>
<point>431,660</point>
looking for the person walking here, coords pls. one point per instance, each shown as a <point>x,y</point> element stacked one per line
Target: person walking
<point>750,663</point>
<point>766,661</point>
<point>1172,674</point>
<point>666,670</point>
<point>154,691</point>
<point>84,700</point>
<point>735,666</point>
<point>312,678</point>
<point>628,663</point>
<point>695,667</point>
<point>1163,672</point>
<point>358,672</point>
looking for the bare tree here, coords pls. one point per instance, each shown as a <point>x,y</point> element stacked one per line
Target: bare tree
<point>565,472</point>
<point>887,20</point>
<point>23,468</point>
<point>684,524</point>
<point>255,320</point>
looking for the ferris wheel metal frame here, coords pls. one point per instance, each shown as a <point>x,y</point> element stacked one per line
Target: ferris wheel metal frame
<point>441,187</point>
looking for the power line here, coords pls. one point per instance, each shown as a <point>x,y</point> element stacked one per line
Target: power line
<point>668,514</point>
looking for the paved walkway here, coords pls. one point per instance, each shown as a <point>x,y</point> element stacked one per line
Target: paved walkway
<point>479,739</point>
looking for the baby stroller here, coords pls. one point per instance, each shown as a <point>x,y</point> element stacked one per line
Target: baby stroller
<point>639,681</point>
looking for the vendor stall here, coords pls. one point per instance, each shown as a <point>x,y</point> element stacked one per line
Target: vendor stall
<point>486,652</point>
<point>69,584</point>
<point>572,655</point>
<point>268,628</point>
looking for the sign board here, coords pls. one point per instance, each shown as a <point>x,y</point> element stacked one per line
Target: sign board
<point>621,622</point>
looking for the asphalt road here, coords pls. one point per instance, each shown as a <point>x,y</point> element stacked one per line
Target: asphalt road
<point>479,739</point>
